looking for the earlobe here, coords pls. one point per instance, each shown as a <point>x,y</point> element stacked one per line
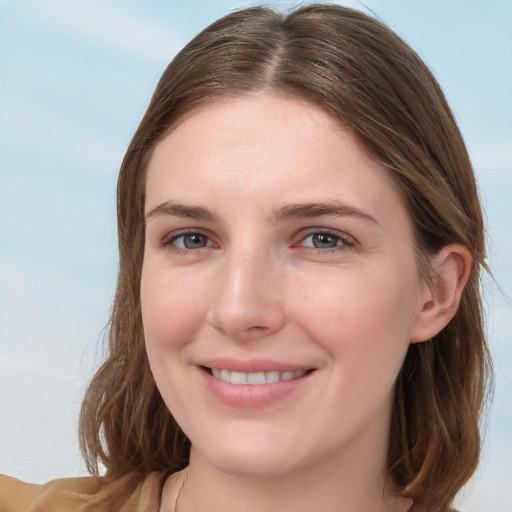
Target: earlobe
<point>450,271</point>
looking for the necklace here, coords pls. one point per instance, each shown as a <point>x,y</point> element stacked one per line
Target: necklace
<point>180,491</point>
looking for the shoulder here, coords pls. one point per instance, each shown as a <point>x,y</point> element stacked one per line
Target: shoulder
<point>58,495</point>
<point>133,491</point>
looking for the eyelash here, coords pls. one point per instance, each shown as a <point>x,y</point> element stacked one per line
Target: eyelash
<point>171,238</point>
<point>344,242</point>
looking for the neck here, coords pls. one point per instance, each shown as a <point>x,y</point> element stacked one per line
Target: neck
<point>356,486</point>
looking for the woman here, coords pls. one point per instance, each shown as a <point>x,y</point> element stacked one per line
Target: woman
<point>297,322</point>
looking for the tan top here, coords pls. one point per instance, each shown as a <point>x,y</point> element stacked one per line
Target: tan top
<point>131,493</point>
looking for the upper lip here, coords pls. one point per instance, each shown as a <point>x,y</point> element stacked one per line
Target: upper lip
<point>252,365</point>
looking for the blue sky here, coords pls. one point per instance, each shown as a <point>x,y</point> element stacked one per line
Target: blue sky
<point>75,79</point>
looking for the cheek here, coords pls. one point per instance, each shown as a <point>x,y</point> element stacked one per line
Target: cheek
<point>363,319</point>
<point>170,311</point>
<point>170,322</point>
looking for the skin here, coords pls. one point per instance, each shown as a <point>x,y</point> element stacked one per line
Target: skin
<point>332,290</point>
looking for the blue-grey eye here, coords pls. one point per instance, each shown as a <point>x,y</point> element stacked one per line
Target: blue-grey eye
<point>325,241</point>
<point>322,241</point>
<point>191,241</point>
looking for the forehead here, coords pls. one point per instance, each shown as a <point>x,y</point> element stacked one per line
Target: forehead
<point>265,145</point>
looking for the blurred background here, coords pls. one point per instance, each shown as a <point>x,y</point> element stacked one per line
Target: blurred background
<point>75,78</point>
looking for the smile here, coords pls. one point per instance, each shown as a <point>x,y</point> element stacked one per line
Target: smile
<point>256,378</point>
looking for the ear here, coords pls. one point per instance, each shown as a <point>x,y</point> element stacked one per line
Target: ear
<point>441,296</point>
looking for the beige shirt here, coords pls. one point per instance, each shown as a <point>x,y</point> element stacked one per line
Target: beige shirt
<point>131,493</point>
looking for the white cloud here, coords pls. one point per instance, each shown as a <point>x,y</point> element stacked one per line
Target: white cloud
<point>48,331</point>
<point>493,156</point>
<point>105,24</point>
<point>24,122</point>
<point>492,161</point>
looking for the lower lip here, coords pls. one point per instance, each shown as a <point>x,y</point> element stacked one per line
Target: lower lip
<point>249,396</point>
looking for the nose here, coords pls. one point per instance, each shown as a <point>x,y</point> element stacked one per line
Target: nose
<point>247,303</point>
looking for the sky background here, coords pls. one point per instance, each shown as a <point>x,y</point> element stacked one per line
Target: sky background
<point>75,78</point>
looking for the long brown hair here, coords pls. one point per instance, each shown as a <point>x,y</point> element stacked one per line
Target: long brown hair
<point>367,77</point>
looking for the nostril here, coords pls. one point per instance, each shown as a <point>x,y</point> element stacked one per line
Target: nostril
<point>257,328</point>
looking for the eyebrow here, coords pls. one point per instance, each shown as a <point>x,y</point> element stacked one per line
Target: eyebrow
<point>290,211</point>
<point>309,210</point>
<point>181,210</point>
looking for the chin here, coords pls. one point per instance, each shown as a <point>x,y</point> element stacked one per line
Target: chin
<point>253,467</point>
<point>252,458</point>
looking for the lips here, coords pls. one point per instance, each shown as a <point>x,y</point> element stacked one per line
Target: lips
<point>256,378</point>
<point>253,384</point>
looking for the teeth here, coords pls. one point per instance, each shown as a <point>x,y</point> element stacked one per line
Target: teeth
<point>256,378</point>
<point>287,376</point>
<point>271,377</point>
<point>240,378</point>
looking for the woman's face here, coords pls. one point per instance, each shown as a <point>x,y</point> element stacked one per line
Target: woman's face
<point>279,288</point>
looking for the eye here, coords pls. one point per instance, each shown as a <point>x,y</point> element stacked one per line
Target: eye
<point>326,240</point>
<point>187,241</point>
